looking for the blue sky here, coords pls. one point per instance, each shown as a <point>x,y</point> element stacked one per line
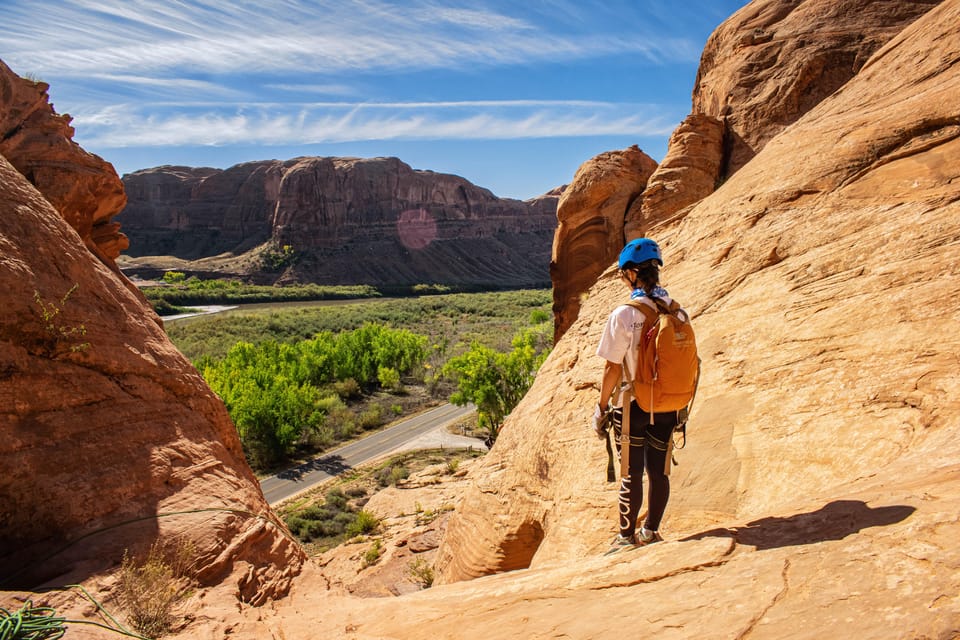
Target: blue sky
<point>513,96</point>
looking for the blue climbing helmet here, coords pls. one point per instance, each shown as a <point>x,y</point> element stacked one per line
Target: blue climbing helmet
<point>638,251</point>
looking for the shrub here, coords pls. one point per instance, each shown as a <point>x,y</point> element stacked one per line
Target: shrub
<point>59,337</point>
<point>356,492</point>
<point>336,499</point>
<point>372,554</point>
<point>364,523</point>
<point>347,389</point>
<point>275,258</point>
<point>392,474</point>
<point>150,590</point>
<point>372,417</point>
<point>539,316</point>
<point>421,572</point>
<point>388,377</point>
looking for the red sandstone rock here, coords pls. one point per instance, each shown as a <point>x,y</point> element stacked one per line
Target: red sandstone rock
<point>38,142</point>
<point>688,173</point>
<point>108,431</point>
<point>761,70</point>
<point>591,216</point>
<point>773,61</point>
<point>818,493</point>
<point>822,279</point>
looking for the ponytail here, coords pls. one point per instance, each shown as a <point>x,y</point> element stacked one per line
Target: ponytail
<point>648,276</point>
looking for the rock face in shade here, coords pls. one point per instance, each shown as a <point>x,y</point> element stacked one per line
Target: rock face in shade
<point>196,212</point>
<point>107,429</point>
<point>350,220</point>
<point>38,142</point>
<point>591,215</point>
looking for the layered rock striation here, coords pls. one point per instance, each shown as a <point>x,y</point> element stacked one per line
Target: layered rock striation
<point>349,221</point>
<point>590,216</point>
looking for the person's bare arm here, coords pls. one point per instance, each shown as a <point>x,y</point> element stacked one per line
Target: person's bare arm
<point>612,373</point>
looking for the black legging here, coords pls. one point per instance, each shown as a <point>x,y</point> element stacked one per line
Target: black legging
<point>648,451</point>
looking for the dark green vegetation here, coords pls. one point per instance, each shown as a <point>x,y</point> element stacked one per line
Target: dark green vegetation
<point>337,518</point>
<point>326,517</point>
<point>180,291</point>
<point>451,322</point>
<point>299,380</point>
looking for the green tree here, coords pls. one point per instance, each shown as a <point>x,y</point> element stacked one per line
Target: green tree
<point>496,382</point>
<point>282,395</point>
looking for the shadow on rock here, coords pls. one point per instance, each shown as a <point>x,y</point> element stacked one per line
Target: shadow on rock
<point>332,465</point>
<point>834,521</point>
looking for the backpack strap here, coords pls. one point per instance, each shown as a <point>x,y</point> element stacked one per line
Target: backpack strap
<point>625,432</point>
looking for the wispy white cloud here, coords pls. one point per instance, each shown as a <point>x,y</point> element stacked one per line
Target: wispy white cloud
<point>79,38</point>
<point>173,85</point>
<point>323,89</point>
<point>121,126</point>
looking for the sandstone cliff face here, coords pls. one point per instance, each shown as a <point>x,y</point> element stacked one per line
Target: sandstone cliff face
<point>773,61</point>
<point>818,490</point>
<point>195,212</point>
<point>39,144</point>
<point>689,172</point>
<point>761,70</point>
<point>350,220</point>
<point>589,234</point>
<point>111,439</point>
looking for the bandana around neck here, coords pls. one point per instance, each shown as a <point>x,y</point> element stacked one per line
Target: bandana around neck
<point>659,292</point>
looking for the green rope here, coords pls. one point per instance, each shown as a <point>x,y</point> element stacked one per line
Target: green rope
<point>43,623</point>
<point>31,623</point>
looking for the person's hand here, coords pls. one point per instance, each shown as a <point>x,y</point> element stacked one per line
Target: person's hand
<point>601,421</point>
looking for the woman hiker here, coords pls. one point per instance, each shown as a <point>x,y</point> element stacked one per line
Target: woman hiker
<point>639,263</point>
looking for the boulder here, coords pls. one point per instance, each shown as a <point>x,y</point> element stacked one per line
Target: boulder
<point>590,228</point>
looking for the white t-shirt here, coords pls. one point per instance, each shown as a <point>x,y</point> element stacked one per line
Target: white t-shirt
<point>622,335</point>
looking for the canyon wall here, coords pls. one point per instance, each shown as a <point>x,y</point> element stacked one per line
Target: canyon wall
<point>349,221</point>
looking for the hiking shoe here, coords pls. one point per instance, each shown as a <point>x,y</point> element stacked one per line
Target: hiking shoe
<point>646,536</point>
<point>621,543</point>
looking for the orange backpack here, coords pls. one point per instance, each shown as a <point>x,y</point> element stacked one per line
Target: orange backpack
<point>668,367</point>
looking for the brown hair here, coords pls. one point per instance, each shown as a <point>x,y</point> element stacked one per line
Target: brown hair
<point>648,276</point>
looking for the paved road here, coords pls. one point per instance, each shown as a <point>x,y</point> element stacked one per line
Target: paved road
<point>400,436</point>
